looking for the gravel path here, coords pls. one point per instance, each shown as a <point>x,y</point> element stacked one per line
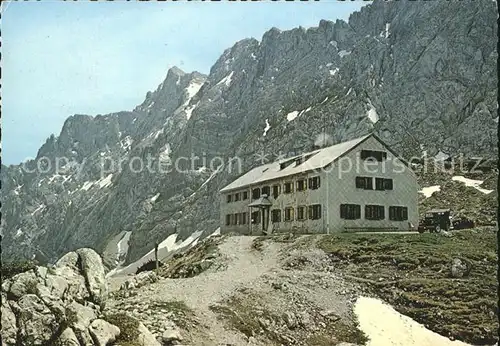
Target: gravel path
<point>244,266</point>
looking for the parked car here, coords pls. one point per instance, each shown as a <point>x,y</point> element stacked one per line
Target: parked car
<point>435,221</point>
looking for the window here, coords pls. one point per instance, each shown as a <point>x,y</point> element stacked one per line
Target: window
<point>255,193</point>
<point>398,213</point>
<point>364,183</point>
<point>388,184</point>
<point>374,212</point>
<point>237,197</point>
<point>379,184</point>
<point>383,184</point>
<point>266,190</point>
<point>350,211</point>
<point>256,217</point>
<point>373,155</point>
<point>301,213</point>
<point>288,187</point>
<point>242,218</point>
<point>228,219</point>
<point>245,195</point>
<point>236,219</point>
<point>285,164</point>
<point>276,190</point>
<point>314,183</point>
<point>276,215</point>
<point>301,185</point>
<point>315,211</point>
<point>289,214</point>
<point>229,198</point>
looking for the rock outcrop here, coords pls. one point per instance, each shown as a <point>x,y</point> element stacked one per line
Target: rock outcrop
<point>60,305</point>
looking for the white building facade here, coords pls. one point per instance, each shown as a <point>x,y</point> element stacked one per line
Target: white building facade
<point>359,185</point>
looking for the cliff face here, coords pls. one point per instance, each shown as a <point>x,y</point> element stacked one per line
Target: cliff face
<point>421,75</point>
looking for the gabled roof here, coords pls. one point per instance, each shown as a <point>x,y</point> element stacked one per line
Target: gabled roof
<point>310,161</point>
<point>263,201</point>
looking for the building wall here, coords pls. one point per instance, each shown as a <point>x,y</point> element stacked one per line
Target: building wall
<point>337,186</point>
<point>341,181</point>
<point>284,200</point>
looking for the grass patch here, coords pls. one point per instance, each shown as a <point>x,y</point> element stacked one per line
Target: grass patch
<point>335,333</point>
<point>193,262</point>
<point>129,329</point>
<point>411,272</point>
<point>251,317</point>
<point>180,311</point>
<point>13,268</point>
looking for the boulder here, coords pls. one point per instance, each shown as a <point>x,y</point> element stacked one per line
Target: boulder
<point>36,322</point>
<point>9,327</point>
<point>170,336</point>
<point>22,284</point>
<point>145,337</point>
<point>78,317</point>
<point>68,260</point>
<point>139,280</point>
<point>68,338</point>
<point>459,268</point>
<point>103,333</point>
<point>39,303</point>
<point>93,271</point>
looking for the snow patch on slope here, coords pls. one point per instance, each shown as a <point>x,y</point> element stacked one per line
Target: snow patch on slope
<point>472,183</point>
<point>292,115</point>
<point>226,80</point>
<point>428,191</point>
<point>267,128</point>
<point>372,113</point>
<point>343,53</point>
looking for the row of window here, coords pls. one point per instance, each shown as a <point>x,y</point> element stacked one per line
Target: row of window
<point>288,187</point>
<point>373,212</point>
<point>312,212</point>
<point>381,184</point>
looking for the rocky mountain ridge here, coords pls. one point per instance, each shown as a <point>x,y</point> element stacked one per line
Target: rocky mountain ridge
<point>421,75</point>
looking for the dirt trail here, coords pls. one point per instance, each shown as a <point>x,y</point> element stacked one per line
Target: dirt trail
<point>244,266</point>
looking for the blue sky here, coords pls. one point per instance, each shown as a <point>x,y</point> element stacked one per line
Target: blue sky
<point>62,58</point>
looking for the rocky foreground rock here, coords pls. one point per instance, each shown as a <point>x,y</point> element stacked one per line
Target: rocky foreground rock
<point>61,305</point>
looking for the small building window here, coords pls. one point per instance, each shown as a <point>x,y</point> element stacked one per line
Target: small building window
<point>228,219</point>
<point>301,185</point>
<point>276,191</point>
<point>373,155</point>
<point>374,212</point>
<point>315,211</point>
<point>288,187</point>
<point>301,213</point>
<point>382,184</point>
<point>266,190</point>
<point>242,218</point>
<point>289,214</point>
<point>237,197</point>
<point>256,217</point>
<point>245,195</point>
<point>388,185</point>
<point>314,183</point>
<point>255,193</point>
<point>398,213</point>
<point>236,219</point>
<point>229,198</point>
<point>276,215</point>
<point>350,211</point>
<point>365,183</point>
